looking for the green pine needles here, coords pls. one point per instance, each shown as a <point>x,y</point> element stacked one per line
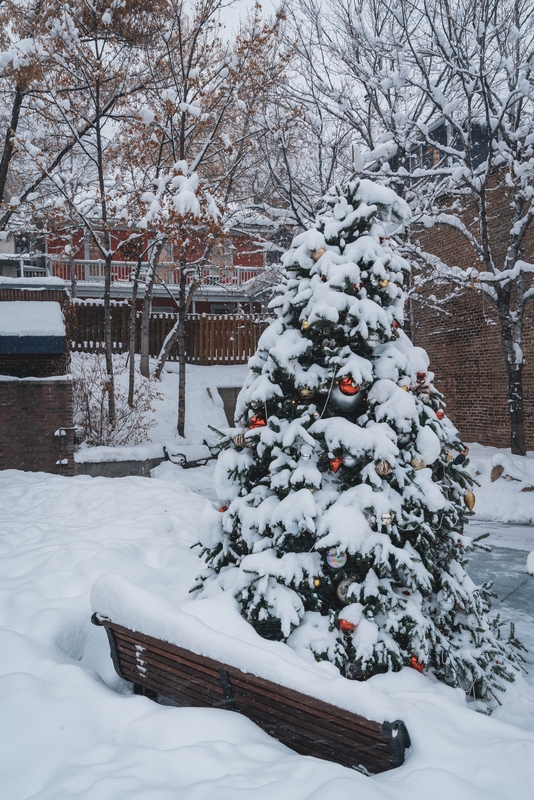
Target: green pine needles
<point>345,482</point>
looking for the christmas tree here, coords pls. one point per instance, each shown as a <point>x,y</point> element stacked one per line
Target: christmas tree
<point>344,486</point>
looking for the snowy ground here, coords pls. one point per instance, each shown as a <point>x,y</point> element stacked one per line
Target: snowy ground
<point>72,729</point>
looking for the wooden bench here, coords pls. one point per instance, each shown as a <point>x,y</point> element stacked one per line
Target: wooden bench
<point>309,726</point>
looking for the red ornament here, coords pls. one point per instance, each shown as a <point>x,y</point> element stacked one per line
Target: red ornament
<point>396,324</point>
<point>348,387</point>
<point>323,278</point>
<point>336,463</point>
<point>440,413</point>
<point>223,508</point>
<point>421,377</point>
<point>256,422</point>
<point>415,664</point>
<point>346,626</point>
<point>357,287</point>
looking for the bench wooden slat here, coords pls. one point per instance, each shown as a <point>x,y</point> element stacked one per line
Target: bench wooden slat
<point>307,725</point>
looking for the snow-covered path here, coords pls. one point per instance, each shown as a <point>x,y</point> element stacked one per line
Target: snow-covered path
<point>71,728</point>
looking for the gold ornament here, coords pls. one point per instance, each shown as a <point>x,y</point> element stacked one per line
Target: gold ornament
<point>418,463</point>
<point>316,254</point>
<point>305,325</point>
<point>469,499</point>
<point>383,468</point>
<point>306,391</point>
<point>239,440</point>
<point>383,283</point>
<point>404,388</point>
<point>448,456</point>
<point>316,582</point>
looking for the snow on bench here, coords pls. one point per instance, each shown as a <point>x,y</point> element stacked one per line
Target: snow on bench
<point>186,661</point>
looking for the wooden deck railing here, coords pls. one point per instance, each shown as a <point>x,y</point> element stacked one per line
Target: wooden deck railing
<point>209,338</point>
<point>122,271</point>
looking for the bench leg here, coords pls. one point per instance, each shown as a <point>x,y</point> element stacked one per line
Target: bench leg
<point>145,692</point>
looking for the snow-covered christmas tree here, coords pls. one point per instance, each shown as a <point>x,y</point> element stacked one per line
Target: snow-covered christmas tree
<point>343,485</point>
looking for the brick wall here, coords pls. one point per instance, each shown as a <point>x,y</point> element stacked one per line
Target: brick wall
<point>462,337</point>
<point>31,411</point>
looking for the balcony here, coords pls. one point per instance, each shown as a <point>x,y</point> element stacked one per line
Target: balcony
<point>122,272</point>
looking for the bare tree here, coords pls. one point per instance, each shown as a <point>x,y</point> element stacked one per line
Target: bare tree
<point>439,94</point>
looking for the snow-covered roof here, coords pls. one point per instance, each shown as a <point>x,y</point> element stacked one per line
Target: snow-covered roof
<point>31,318</point>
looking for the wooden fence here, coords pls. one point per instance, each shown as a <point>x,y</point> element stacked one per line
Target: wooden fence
<point>209,338</point>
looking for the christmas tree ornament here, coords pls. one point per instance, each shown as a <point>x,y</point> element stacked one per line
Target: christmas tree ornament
<point>342,589</point>
<point>239,440</point>
<point>222,509</point>
<point>465,451</point>
<point>445,600</point>
<point>306,391</point>
<point>440,413</point>
<point>383,468</point>
<point>396,325</point>
<point>404,388</point>
<point>403,576</point>
<point>370,518</point>
<point>323,278</point>
<point>416,664</point>
<point>417,463</point>
<point>383,283</point>
<point>306,452</point>
<point>387,518</point>
<point>335,559</point>
<point>316,254</point>
<point>460,458</point>
<point>349,461</point>
<point>469,500</point>
<point>335,464</point>
<point>347,386</point>
<point>421,377</point>
<point>305,325</point>
<point>449,457</point>
<point>316,582</point>
<point>256,422</point>
<point>346,626</point>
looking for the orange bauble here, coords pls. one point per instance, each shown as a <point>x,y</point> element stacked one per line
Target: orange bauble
<point>256,422</point>
<point>336,463</point>
<point>440,413</point>
<point>347,386</point>
<point>346,626</point>
<point>415,664</point>
<point>223,508</point>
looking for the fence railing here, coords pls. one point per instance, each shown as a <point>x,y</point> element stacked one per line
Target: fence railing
<point>93,271</point>
<point>209,338</point>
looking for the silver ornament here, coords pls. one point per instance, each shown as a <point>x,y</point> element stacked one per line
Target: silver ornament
<point>445,600</point>
<point>306,452</point>
<point>342,589</point>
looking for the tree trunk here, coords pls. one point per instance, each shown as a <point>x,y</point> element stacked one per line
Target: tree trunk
<point>108,342</point>
<point>182,313</point>
<point>514,372</point>
<point>133,331</point>
<point>147,309</point>
<point>9,142</point>
<point>517,415</point>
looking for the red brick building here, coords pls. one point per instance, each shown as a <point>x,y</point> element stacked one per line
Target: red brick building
<point>462,337</point>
